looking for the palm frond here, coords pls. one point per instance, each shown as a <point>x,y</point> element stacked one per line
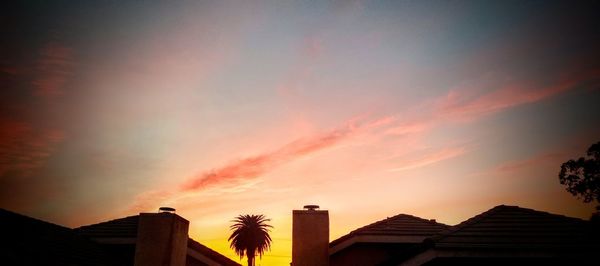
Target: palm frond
<point>250,235</point>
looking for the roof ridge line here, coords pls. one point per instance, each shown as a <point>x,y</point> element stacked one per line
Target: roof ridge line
<point>472,220</point>
<point>36,219</point>
<point>550,214</point>
<point>105,222</point>
<point>382,221</point>
<point>386,219</point>
<point>210,250</point>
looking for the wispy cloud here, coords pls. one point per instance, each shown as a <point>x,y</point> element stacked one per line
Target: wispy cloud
<point>538,161</point>
<point>431,158</point>
<point>241,171</point>
<point>455,107</point>
<point>510,96</point>
<point>24,148</point>
<point>9,70</point>
<point>410,127</point>
<point>458,106</point>
<point>254,166</point>
<point>529,162</point>
<point>313,47</point>
<point>54,67</point>
<point>572,147</point>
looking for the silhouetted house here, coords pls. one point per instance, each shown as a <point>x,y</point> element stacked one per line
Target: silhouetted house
<point>28,241</point>
<point>124,237</point>
<point>145,239</point>
<point>383,240</point>
<point>510,235</point>
<point>503,235</point>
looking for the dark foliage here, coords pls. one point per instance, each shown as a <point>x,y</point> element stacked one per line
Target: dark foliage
<point>582,176</point>
<point>250,236</point>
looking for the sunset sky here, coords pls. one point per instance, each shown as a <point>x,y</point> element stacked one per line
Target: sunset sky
<point>439,109</point>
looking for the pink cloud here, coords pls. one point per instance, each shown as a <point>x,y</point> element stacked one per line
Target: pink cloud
<point>239,170</point>
<point>254,166</point>
<point>250,168</point>
<point>24,148</point>
<point>381,122</point>
<point>572,147</point>
<point>313,47</point>
<point>461,106</point>
<point>457,106</point>
<point>539,161</point>
<point>432,158</point>
<point>54,67</point>
<point>498,100</point>
<point>9,70</point>
<point>529,162</point>
<point>412,127</point>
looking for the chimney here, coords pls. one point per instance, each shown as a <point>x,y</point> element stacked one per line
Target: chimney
<point>310,237</point>
<point>161,239</point>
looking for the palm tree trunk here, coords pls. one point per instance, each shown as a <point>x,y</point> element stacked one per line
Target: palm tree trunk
<point>250,260</point>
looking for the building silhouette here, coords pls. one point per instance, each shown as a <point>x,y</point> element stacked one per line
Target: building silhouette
<point>503,235</point>
<point>383,240</point>
<point>146,239</point>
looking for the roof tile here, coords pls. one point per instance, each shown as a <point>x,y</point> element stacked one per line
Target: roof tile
<point>515,227</point>
<point>123,227</point>
<point>399,225</point>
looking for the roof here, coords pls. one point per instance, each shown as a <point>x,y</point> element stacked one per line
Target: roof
<point>515,227</point>
<point>399,225</point>
<point>127,228</point>
<point>509,234</point>
<point>29,241</point>
<point>213,255</point>
<point>123,227</point>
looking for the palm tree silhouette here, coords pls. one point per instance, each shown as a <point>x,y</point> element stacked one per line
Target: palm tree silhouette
<point>250,236</point>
